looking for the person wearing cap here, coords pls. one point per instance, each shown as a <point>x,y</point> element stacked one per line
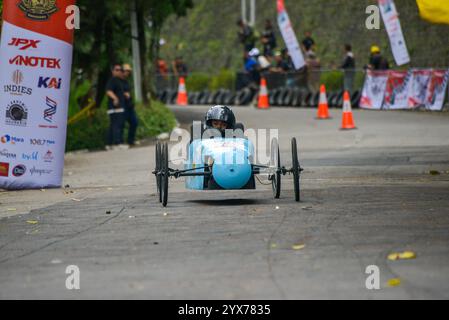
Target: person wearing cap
<point>116,105</point>
<point>130,112</point>
<point>252,68</point>
<point>377,61</point>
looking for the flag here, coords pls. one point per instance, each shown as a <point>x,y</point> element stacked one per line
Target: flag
<point>289,36</point>
<point>436,11</point>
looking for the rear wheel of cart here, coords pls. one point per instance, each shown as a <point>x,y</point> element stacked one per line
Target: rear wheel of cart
<point>275,163</point>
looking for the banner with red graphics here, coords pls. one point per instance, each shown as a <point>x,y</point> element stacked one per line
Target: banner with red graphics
<point>35,62</point>
<point>397,91</point>
<point>418,88</point>
<point>289,36</point>
<point>436,90</point>
<point>374,90</point>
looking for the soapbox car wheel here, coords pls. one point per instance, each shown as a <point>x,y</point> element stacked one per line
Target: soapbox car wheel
<point>158,170</point>
<point>296,170</point>
<point>275,163</point>
<point>164,174</point>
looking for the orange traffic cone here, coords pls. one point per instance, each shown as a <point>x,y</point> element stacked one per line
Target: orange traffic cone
<point>182,93</point>
<point>348,120</point>
<point>263,95</point>
<point>323,107</point>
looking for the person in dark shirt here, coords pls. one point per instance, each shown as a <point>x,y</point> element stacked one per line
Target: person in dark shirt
<point>179,67</point>
<point>308,43</point>
<point>348,66</point>
<point>130,112</point>
<point>377,61</point>
<point>268,39</point>
<point>246,35</point>
<point>116,104</point>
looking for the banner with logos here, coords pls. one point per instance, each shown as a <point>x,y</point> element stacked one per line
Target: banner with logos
<point>397,90</point>
<point>390,17</point>
<point>405,89</point>
<point>374,90</point>
<point>35,63</point>
<point>418,89</point>
<point>289,36</point>
<point>436,90</point>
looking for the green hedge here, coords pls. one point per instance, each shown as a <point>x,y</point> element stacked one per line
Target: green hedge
<point>198,81</point>
<point>91,133</point>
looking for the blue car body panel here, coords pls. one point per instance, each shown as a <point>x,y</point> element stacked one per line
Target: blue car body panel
<point>233,158</point>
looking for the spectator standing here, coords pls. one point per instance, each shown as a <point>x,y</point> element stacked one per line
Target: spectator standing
<point>116,105</point>
<point>246,35</point>
<point>268,39</point>
<point>308,43</point>
<point>348,66</point>
<point>252,68</point>
<point>161,75</point>
<point>179,67</point>
<point>130,111</point>
<point>161,68</point>
<point>377,61</point>
<point>313,71</point>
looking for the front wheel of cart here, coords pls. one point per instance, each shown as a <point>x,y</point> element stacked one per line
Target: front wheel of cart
<point>296,170</point>
<point>165,173</point>
<point>158,170</point>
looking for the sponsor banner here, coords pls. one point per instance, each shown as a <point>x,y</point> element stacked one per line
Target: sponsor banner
<point>390,17</point>
<point>397,90</point>
<point>418,88</point>
<point>436,90</point>
<point>35,59</point>
<point>289,36</point>
<point>374,90</point>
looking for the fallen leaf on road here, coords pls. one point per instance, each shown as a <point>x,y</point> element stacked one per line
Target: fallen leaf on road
<point>401,255</point>
<point>298,246</point>
<point>32,221</point>
<point>394,282</point>
<point>274,246</point>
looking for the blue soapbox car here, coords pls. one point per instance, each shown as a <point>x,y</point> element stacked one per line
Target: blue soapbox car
<point>217,163</point>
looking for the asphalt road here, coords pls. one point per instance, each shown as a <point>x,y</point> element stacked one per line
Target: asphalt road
<point>365,194</point>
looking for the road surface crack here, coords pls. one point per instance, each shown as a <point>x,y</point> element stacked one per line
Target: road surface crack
<point>69,237</point>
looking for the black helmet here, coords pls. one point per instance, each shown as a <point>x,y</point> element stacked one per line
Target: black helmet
<point>221,113</point>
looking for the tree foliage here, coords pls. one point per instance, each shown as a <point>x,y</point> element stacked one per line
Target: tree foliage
<point>105,37</point>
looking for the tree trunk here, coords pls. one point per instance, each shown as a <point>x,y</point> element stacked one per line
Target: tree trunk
<point>146,79</point>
